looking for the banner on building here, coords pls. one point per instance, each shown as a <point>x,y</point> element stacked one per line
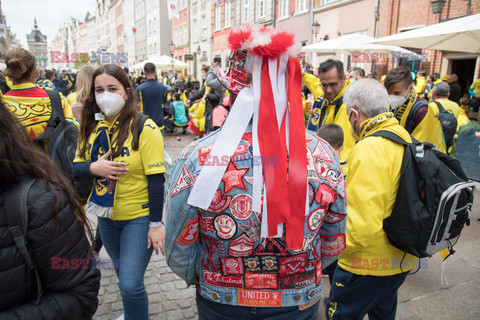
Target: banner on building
<point>172,9</point>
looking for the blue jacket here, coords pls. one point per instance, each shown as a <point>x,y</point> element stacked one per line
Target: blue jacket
<point>152,96</point>
<point>179,113</point>
<point>220,249</point>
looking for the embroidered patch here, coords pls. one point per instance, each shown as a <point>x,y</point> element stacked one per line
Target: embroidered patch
<point>249,180</point>
<point>307,244</point>
<point>341,186</point>
<point>315,219</point>
<point>321,152</point>
<point>233,178</point>
<point>332,217</point>
<point>318,271</point>
<point>269,263</point>
<point>241,206</point>
<point>232,266</point>
<point>259,298</point>
<point>252,264</point>
<point>247,136</point>
<point>297,281</point>
<point>206,224</point>
<point>217,279</point>
<point>241,246</point>
<point>188,149</point>
<point>311,171</point>
<point>311,194</point>
<point>189,234</point>
<point>270,247</point>
<point>333,245</point>
<point>325,195</point>
<point>219,203</point>
<point>184,181</point>
<point>322,168</point>
<point>260,281</point>
<point>292,265</point>
<point>211,246</point>
<point>332,177</point>
<point>252,229</point>
<point>225,226</point>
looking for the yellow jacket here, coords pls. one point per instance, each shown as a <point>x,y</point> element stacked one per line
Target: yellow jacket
<point>198,116</point>
<point>429,129</point>
<point>340,118</point>
<point>421,84</point>
<point>372,183</point>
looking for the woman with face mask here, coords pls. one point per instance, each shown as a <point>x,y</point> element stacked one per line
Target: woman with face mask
<point>128,168</point>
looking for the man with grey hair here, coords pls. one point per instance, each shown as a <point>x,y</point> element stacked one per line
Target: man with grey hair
<point>440,98</point>
<point>370,270</point>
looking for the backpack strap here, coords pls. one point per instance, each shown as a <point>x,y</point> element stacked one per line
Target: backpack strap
<point>413,113</point>
<point>389,135</point>
<point>17,218</point>
<point>54,97</point>
<point>441,108</point>
<point>141,123</point>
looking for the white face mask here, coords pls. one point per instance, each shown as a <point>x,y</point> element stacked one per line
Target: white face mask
<point>396,101</point>
<point>110,103</point>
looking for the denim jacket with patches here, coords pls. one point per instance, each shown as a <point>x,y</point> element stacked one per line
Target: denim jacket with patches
<point>220,249</point>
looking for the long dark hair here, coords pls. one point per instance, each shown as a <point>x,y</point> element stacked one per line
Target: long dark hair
<point>129,112</point>
<point>20,157</point>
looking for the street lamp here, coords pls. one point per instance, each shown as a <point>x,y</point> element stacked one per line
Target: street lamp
<point>437,6</point>
<point>171,45</point>
<point>199,51</point>
<point>316,28</point>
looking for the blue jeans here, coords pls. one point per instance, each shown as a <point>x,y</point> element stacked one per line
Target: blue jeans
<point>352,296</point>
<point>126,244</point>
<point>209,310</point>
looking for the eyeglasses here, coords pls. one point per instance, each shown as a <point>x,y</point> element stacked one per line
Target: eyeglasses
<point>331,85</point>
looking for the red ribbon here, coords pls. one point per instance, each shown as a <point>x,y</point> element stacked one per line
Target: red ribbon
<point>274,158</point>
<point>286,193</point>
<point>297,178</point>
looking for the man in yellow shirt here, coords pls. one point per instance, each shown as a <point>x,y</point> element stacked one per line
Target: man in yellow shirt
<point>440,94</point>
<point>370,270</point>
<point>328,106</point>
<point>421,82</point>
<point>411,110</point>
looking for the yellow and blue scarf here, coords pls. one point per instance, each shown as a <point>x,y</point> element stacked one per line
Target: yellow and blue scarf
<point>102,198</point>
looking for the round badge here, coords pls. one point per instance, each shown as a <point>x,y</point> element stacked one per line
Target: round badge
<point>315,219</point>
<point>225,226</point>
<point>241,206</point>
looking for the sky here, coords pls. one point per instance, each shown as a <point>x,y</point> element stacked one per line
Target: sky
<point>50,14</point>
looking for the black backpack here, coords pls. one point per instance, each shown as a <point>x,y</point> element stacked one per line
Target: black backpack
<point>16,214</point>
<point>433,203</point>
<point>62,137</point>
<point>449,124</point>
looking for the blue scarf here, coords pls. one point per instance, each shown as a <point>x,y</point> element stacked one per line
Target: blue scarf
<point>102,198</point>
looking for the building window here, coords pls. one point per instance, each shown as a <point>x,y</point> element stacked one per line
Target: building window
<point>261,8</point>
<point>284,8</point>
<point>204,27</point>
<point>185,34</point>
<point>195,31</point>
<point>149,26</point>
<point>302,5</point>
<point>180,35</point>
<point>246,11</point>
<point>155,47</point>
<point>328,1</point>
<point>155,25</point>
<point>228,12</point>
<point>217,17</point>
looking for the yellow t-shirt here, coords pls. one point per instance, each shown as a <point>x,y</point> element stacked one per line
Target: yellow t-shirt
<point>131,200</point>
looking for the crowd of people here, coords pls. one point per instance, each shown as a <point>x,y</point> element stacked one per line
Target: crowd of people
<point>251,218</point>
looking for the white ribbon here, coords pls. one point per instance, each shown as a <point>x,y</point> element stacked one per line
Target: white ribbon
<point>227,142</point>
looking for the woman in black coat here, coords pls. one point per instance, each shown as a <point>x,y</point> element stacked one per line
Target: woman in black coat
<point>56,234</point>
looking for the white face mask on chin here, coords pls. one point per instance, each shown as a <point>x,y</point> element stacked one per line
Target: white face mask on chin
<point>110,103</point>
<point>397,101</point>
